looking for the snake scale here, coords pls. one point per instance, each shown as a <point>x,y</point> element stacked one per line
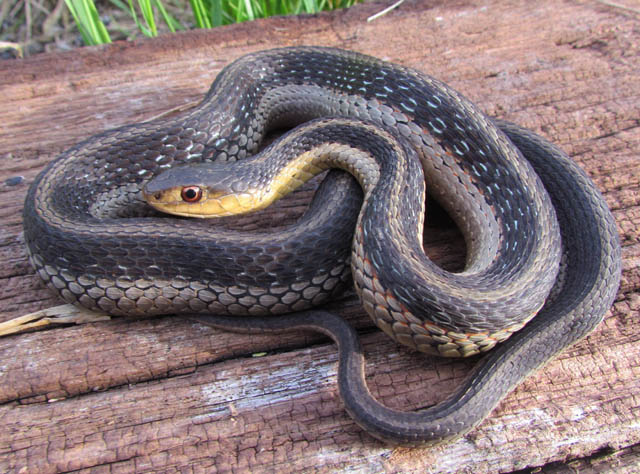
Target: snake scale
<point>543,256</point>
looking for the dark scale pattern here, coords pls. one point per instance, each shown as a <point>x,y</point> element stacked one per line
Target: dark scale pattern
<point>128,258</point>
<point>91,238</point>
<point>389,263</point>
<point>580,298</point>
<point>72,211</point>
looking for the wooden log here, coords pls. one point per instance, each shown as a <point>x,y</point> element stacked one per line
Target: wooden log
<point>166,394</point>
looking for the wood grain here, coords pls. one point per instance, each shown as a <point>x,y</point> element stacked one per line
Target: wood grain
<point>167,394</point>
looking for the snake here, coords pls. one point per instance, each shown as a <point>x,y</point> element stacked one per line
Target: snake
<point>543,257</point>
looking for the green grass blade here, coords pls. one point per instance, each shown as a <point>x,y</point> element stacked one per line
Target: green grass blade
<point>248,8</point>
<point>238,11</point>
<point>311,6</point>
<point>171,22</point>
<point>84,32</point>
<point>216,12</point>
<point>88,22</point>
<point>121,5</point>
<point>200,14</point>
<point>147,14</point>
<point>206,13</point>
<point>145,31</point>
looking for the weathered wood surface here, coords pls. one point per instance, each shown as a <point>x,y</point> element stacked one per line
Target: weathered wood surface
<point>168,395</point>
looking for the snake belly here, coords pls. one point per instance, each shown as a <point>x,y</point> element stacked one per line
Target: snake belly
<point>142,264</point>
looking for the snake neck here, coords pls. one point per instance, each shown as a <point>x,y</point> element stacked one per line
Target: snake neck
<point>380,163</point>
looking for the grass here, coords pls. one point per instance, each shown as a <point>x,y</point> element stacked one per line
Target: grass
<point>205,14</point>
<point>86,17</point>
<point>34,26</point>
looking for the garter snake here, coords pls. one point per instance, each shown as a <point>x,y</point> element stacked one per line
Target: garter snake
<point>514,196</point>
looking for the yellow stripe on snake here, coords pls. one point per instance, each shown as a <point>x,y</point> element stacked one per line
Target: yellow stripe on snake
<point>543,257</point>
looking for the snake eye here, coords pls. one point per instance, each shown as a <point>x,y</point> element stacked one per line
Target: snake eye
<point>191,193</point>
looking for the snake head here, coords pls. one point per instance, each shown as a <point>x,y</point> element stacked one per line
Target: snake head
<point>201,190</point>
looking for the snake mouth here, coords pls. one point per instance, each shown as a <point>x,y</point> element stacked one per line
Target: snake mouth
<point>200,190</point>
<point>199,201</point>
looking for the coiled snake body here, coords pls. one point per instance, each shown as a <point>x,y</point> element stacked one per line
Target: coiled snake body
<point>390,127</point>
